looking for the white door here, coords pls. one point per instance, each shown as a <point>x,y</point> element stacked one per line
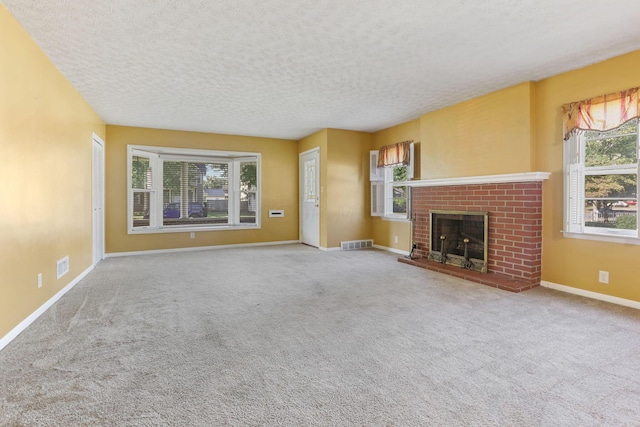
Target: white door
<point>310,197</point>
<point>97,198</point>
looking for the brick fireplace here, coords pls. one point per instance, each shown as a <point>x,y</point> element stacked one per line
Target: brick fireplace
<point>514,206</point>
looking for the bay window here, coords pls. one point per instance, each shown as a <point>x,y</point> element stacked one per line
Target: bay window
<point>173,189</point>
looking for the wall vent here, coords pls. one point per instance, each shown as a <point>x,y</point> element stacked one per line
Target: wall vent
<point>356,244</point>
<point>62,267</point>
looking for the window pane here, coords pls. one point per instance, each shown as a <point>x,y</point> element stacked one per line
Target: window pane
<point>248,192</point>
<point>611,187</point>
<point>613,147</point>
<point>216,189</point>
<point>611,201</point>
<point>310,184</point>
<point>400,173</point>
<point>611,214</point>
<point>141,206</point>
<point>192,191</point>
<point>140,173</point>
<point>171,183</point>
<point>399,200</point>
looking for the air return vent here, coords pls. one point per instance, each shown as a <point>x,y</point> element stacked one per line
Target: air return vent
<point>356,244</point>
<point>62,267</point>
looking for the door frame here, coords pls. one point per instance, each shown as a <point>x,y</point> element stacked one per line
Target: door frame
<point>315,150</point>
<point>97,199</point>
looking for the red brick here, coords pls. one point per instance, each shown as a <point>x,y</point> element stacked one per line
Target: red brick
<point>515,222</point>
<point>531,185</point>
<point>515,204</point>
<point>505,186</point>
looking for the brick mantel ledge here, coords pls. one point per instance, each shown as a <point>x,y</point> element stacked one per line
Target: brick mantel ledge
<point>482,179</point>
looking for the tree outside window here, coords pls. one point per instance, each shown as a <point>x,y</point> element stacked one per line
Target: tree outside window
<point>611,179</point>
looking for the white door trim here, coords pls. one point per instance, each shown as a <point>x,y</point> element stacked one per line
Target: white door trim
<point>97,199</point>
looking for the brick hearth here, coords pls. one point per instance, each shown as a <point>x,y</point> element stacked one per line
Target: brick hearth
<point>515,229</point>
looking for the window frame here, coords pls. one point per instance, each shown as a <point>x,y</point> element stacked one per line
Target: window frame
<point>389,185</point>
<point>575,172</point>
<point>157,155</point>
<point>382,185</point>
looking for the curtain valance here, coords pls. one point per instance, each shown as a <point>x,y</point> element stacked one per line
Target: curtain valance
<point>395,154</point>
<point>602,113</point>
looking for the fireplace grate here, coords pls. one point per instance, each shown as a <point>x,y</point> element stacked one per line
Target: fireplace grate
<point>460,238</point>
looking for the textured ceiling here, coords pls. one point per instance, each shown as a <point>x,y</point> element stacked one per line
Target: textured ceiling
<point>286,68</point>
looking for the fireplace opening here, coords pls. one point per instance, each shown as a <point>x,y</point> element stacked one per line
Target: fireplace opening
<point>460,238</point>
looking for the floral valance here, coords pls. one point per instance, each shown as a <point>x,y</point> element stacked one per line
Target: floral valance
<point>395,154</point>
<point>602,113</point>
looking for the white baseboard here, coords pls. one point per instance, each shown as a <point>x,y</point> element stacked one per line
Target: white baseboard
<point>4,341</point>
<point>593,295</point>
<point>395,251</point>
<point>322,248</point>
<point>200,248</point>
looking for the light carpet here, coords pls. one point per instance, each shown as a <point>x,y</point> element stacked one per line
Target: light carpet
<point>293,336</point>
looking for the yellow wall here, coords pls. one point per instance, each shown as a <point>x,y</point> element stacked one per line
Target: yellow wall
<point>573,262</point>
<point>384,231</point>
<point>491,134</point>
<point>45,168</point>
<point>279,174</point>
<point>319,140</point>
<point>347,201</point>
<point>344,180</point>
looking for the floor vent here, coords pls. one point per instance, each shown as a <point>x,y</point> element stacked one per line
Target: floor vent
<point>356,244</point>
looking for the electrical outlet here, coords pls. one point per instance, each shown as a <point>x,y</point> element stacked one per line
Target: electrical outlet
<point>192,235</point>
<point>395,239</point>
<point>603,277</point>
<point>39,280</point>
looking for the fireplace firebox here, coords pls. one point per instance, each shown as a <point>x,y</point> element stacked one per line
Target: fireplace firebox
<point>460,238</point>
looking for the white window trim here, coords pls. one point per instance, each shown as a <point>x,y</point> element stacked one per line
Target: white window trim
<point>574,228</point>
<point>157,154</point>
<point>389,184</point>
<point>382,188</point>
<point>377,198</point>
<point>375,173</point>
<point>589,235</point>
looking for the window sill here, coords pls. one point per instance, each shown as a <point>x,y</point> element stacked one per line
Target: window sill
<point>627,240</point>
<point>395,218</point>
<point>193,229</point>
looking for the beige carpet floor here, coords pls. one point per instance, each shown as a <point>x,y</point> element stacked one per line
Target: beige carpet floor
<point>293,336</point>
